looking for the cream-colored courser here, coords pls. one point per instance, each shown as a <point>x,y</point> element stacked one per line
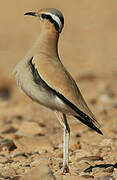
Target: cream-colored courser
<point>45,80</point>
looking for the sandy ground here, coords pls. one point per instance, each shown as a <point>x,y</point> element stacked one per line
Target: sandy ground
<point>30,135</point>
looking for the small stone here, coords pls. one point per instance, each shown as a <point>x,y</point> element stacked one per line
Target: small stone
<point>109,169</point>
<point>73,147</point>
<point>9,130</point>
<point>87,176</point>
<point>5,93</point>
<point>78,135</point>
<point>91,158</point>
<point>7,144</point>
<point>60,155</point>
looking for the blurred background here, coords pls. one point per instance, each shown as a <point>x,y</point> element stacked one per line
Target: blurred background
<point>88,39</point>
<point>87,47</point>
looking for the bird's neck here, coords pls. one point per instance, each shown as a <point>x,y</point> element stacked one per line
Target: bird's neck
<point>48,42</point>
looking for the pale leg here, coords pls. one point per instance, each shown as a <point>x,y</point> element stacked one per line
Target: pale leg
<point>66,136</point>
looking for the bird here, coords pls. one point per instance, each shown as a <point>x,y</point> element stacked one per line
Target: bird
<point>43,77</point>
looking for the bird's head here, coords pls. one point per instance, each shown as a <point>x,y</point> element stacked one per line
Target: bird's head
<point>51,17</point>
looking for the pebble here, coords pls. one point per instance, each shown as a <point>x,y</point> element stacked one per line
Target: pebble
<point>7,144</point>
<point>73,147</point>
<point>91,158</point>
<point>109,169</point>
<point>87,176</point>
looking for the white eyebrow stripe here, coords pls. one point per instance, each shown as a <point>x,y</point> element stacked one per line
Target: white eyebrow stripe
<point>55,18</point>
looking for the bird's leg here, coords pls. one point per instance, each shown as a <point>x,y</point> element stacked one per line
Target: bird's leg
<point>66,136</point>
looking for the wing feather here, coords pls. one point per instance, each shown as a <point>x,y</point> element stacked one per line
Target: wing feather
<point>59,80</point>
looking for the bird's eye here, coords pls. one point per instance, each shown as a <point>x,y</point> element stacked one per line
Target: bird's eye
<point>42,16</point>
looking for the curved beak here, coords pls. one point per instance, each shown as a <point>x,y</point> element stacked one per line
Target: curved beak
<point>31,13</point>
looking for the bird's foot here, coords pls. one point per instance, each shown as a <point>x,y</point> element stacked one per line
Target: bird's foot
<point>65,169</point>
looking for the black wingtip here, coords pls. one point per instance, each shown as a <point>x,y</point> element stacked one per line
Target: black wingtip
<point>99,131</point>
<point>90,124</point>
<point>84,118</point>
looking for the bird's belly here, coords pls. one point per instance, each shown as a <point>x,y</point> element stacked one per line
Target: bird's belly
<point>46,98</point>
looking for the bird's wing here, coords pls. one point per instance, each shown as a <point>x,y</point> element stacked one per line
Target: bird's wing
<point>57,77</point>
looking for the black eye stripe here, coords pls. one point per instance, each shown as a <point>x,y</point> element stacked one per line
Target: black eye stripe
<point>46,16</point>
<point>49,17</point>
